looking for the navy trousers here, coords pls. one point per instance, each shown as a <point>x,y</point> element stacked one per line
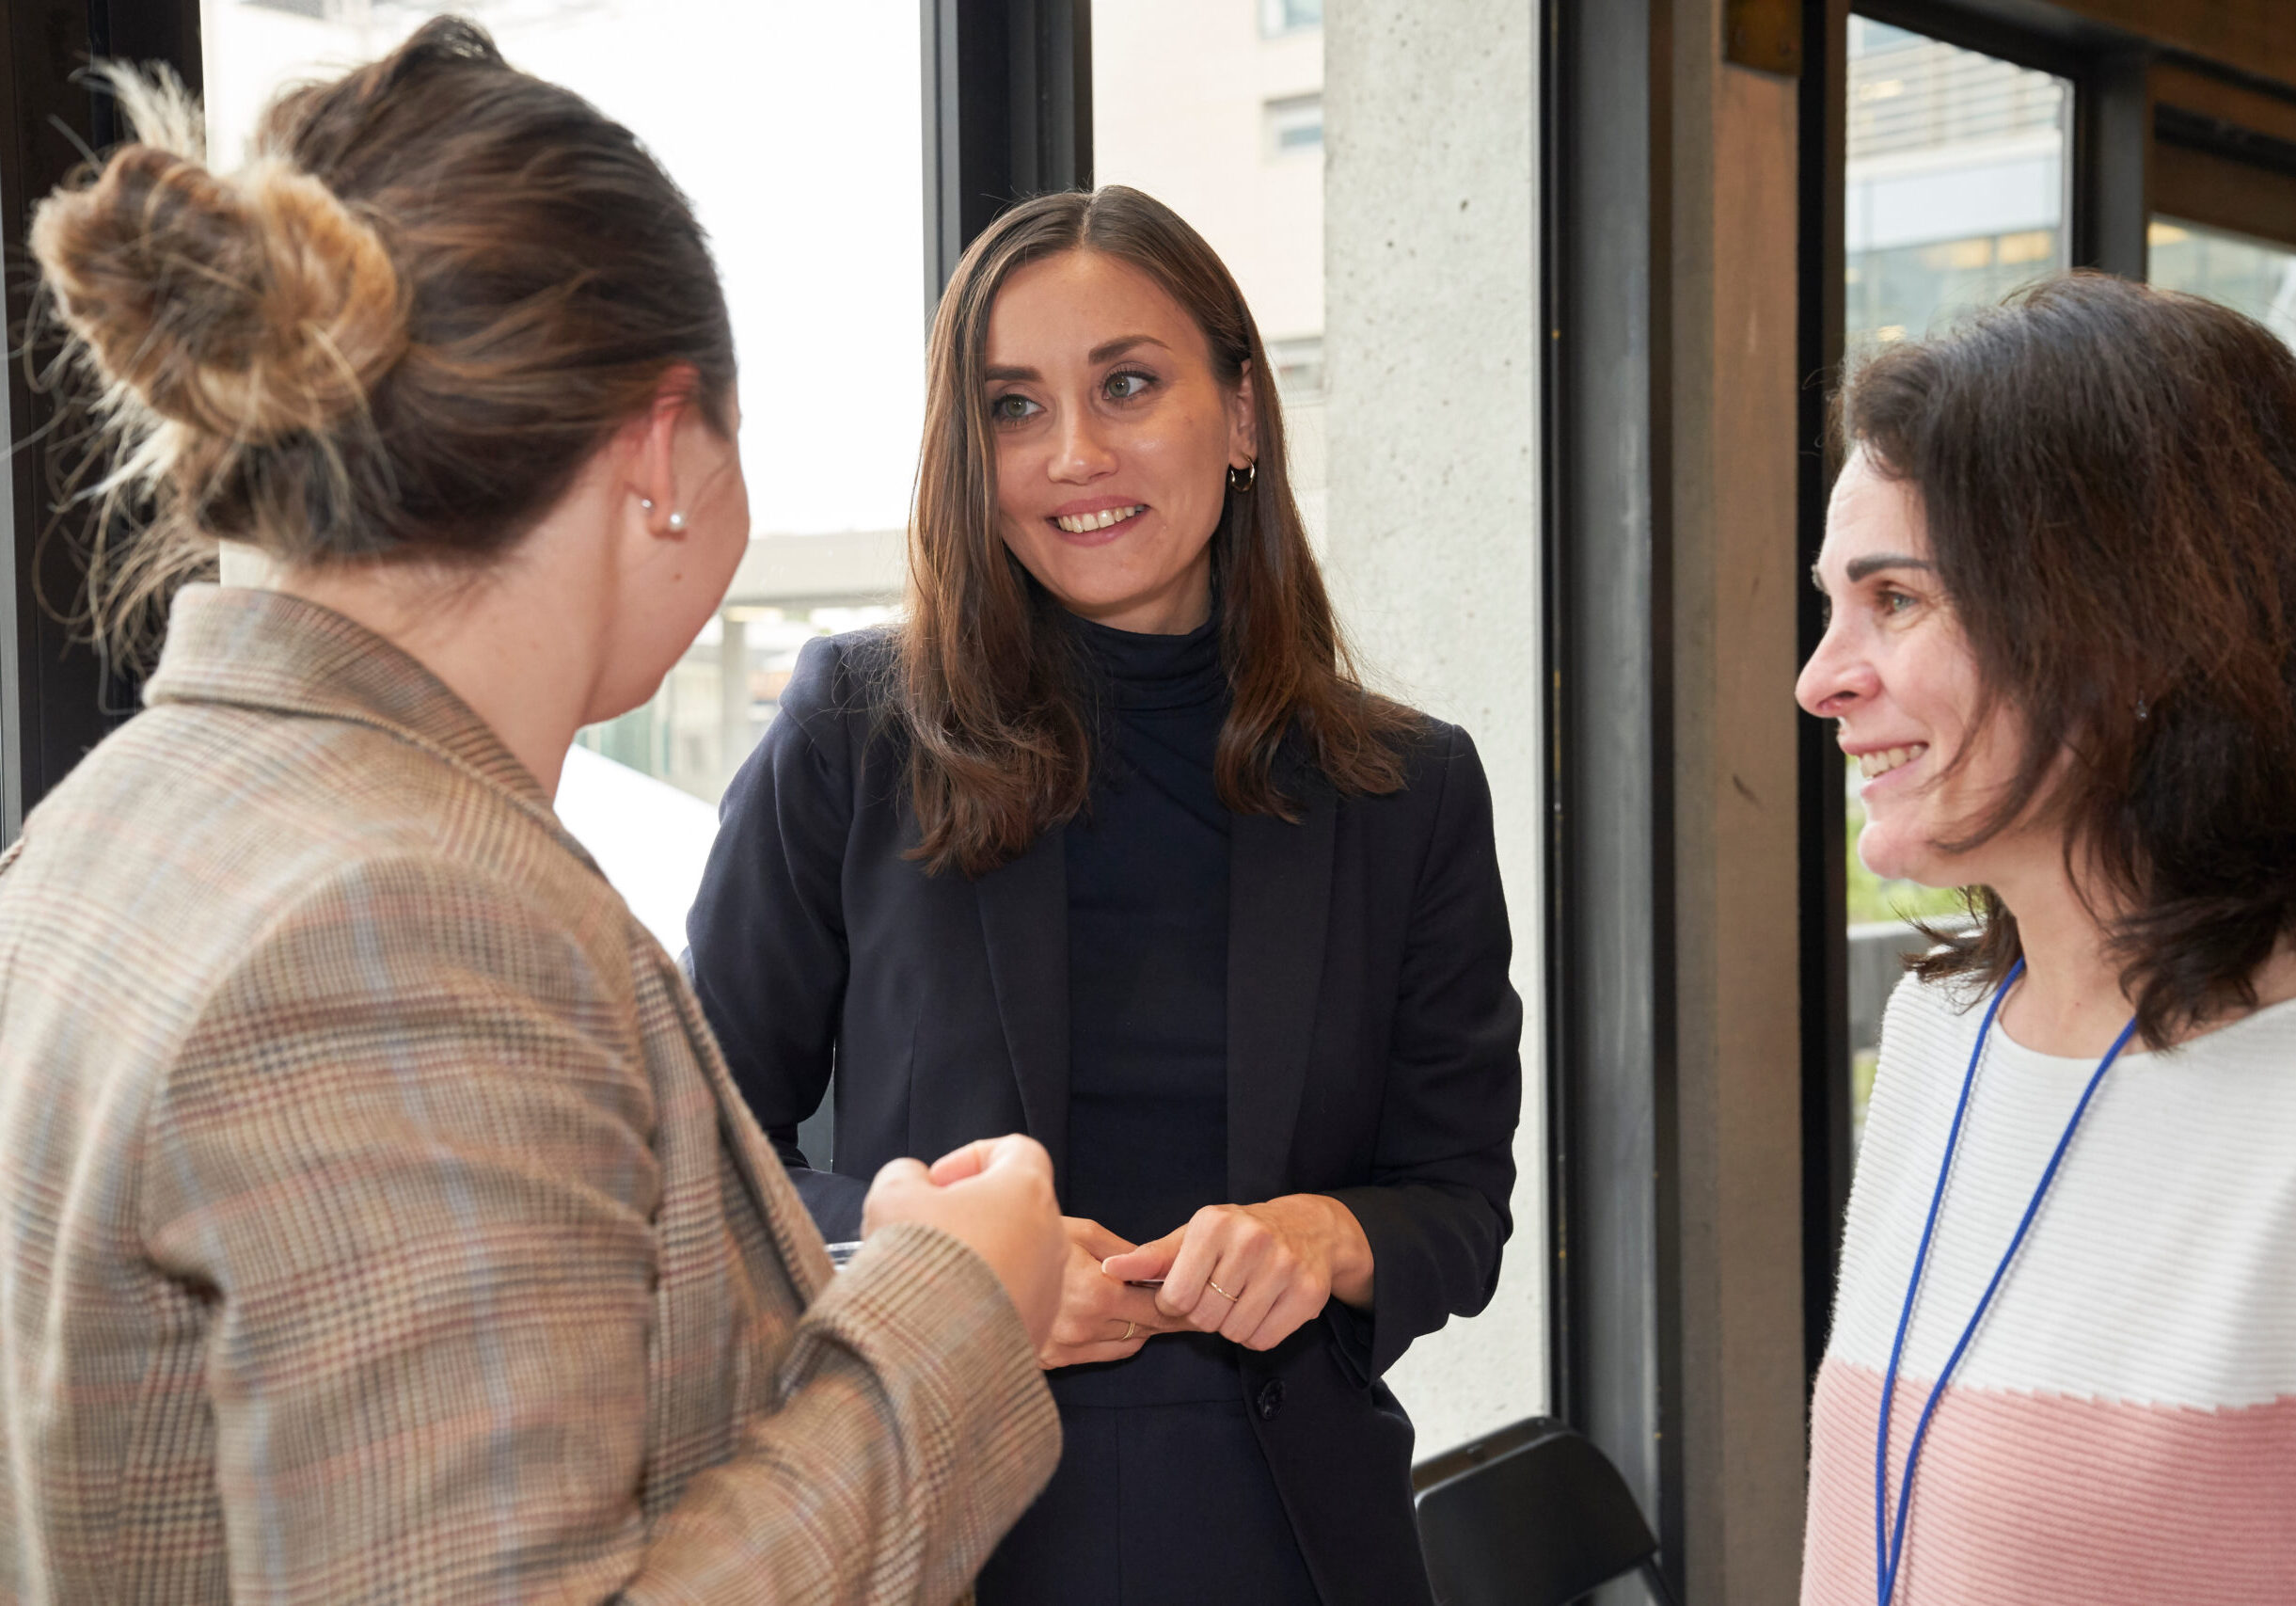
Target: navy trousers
<point>1153,1505</point>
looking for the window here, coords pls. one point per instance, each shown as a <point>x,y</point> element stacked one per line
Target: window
<point>1295,125</point>
<point>1957,174</point>
<point>1957,179</point>
<point>2256,275</point>
<point>819,254</point>
<point>1278,17</point>
<point>1299,366</point>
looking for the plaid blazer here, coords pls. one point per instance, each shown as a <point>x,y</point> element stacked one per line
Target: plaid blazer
<point>380,1222</point>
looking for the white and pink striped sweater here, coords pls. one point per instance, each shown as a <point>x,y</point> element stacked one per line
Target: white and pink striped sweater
<point>2123,1428</point>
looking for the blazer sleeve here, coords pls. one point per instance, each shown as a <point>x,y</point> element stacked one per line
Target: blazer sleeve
<point>409,1151</point>
<point>1436,1211</point>
<point>765,937</point>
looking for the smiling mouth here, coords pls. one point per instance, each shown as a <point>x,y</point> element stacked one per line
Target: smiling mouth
<point>1085,523</point>
<point>1872,766</point>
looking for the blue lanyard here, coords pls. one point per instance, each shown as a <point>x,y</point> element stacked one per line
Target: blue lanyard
<point>1890,1541</point>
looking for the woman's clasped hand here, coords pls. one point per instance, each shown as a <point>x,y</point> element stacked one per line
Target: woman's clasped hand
<point>1101,1317</point>
<point>1253,1274</point>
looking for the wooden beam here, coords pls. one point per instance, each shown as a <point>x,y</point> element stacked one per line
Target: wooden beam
<point>2253,37</point>
<point>1735,431</point>
<point>2206,95</point>
<point>2199,186</point>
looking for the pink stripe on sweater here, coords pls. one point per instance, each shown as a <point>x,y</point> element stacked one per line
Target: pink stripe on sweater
<point>2043,1497</point>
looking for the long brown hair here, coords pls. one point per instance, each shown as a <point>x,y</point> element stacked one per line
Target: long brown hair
<point>2107,473</point>
<point>988,690</point>
<point>399,330</point>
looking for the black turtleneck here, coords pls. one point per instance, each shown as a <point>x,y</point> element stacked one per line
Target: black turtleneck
<point>1148,941</point>
<point>1147,976</point>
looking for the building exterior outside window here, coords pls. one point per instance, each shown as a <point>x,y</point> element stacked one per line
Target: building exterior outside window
<point>1289,16</point>
<point>1956,180</point>
<point>1232,139</point>
<point>2253,274</point>
<point>1295,125</point>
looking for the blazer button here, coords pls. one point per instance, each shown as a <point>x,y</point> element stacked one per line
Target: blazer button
<point>1271,1399</point>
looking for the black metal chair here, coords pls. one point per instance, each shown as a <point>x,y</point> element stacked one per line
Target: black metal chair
<point>1533,1514</point>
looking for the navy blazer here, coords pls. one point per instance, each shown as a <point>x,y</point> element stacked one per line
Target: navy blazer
<point>1373,1042</point>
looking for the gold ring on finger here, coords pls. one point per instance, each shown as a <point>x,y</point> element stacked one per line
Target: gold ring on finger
<point>1221,1292</point>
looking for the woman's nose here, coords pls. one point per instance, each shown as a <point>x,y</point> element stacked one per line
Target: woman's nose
<point>1836,677</point>
<point>1080,452</point>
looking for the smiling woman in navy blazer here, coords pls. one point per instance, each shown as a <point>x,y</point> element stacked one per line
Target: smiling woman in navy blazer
<point>1103,840</point>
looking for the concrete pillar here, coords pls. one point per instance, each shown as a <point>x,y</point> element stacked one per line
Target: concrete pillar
<point>1432,342</point>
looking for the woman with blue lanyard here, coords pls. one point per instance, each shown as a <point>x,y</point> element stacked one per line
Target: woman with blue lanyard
<point>2060,561</point>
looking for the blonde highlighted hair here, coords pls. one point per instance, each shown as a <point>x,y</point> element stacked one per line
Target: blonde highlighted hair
<point>435,288</point>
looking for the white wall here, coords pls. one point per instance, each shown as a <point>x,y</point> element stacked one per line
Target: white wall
<point>1432,339</point>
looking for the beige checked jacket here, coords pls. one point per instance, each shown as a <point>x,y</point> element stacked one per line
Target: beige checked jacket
<point>381,1225</point>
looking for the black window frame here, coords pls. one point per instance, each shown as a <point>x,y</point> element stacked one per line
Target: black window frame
<point>1008,115</point>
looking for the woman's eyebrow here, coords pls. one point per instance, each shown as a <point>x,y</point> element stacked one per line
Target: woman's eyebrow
<point>1105,351</point>
<point>1859,567</point>
<point>1119,346</point>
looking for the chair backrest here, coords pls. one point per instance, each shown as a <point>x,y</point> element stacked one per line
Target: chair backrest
<point>1533,1514</point>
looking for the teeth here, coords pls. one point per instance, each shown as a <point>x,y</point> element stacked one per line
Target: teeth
<point>1872,764</point>
<point>1083,523</point>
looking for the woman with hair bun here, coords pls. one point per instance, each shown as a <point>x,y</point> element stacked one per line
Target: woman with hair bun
<point>1105,840</point>
<point>2060,561</point>
<point>382,1223</point>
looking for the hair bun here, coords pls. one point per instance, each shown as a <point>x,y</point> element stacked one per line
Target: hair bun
<point>249,306</point>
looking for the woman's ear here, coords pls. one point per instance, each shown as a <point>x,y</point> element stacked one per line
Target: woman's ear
<point>1243,421</point>
<point>654,471</point>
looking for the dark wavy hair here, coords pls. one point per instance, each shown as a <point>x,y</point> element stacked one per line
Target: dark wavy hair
<point>2108,477</point>
<point>1000,734</point>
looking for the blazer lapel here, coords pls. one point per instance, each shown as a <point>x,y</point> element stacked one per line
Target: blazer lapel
<point>1278,902</point>
<point>1025,920</point>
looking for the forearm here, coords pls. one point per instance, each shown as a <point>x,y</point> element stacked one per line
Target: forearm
<point>914,1428</point>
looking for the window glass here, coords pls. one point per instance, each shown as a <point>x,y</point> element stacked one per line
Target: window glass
<point>1956,175</point>
<point>795,131</point>
<point>1295,125</point>
<point>1957,179</point>
<point>2254,275</point>
<point>1289,16</point>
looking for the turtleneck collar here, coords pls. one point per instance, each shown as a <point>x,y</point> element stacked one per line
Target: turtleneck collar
<point>1149,672</point>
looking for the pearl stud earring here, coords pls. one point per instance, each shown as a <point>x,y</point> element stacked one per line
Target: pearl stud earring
<point>677,522</point>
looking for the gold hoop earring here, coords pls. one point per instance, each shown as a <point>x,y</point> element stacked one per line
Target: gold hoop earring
<point>1251,476</point>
